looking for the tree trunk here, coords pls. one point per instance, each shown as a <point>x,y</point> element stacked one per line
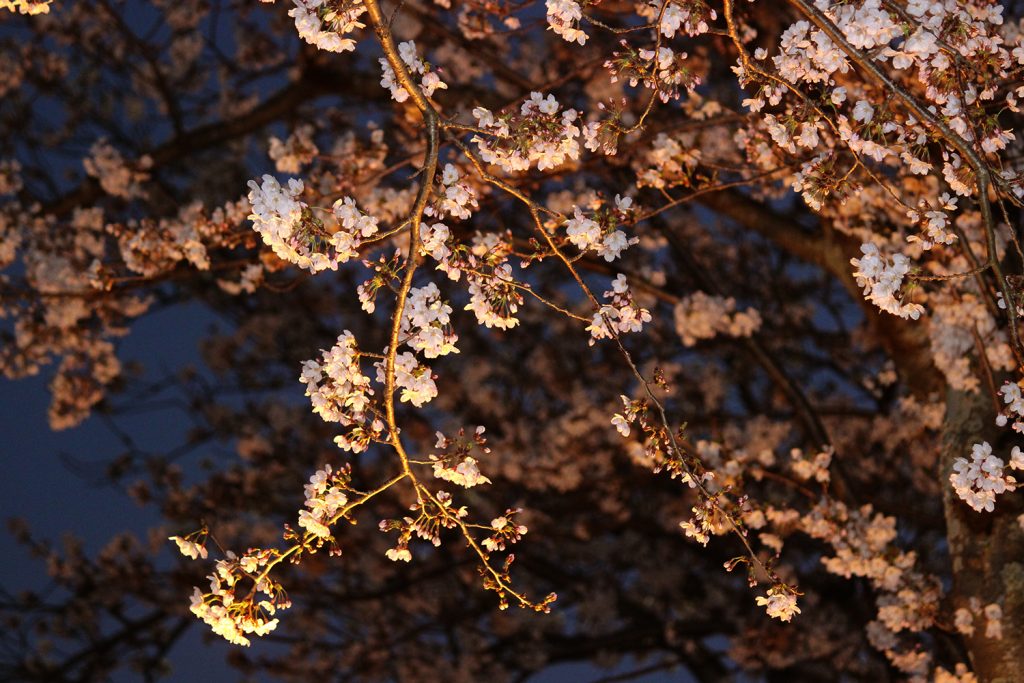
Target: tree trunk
<point>986,548</point>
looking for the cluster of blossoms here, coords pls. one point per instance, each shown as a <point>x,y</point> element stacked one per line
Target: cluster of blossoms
<point>807,54</point>
<point>494,296</point>
<point>780,128</point>
<point>935,223</point>
<point>601,134</point>
<point>601,235</point>
<point>76,267</point>
<point>425,327</point>
<point>978,481</point>
<point>295,152</point>
<point>192,546</point>
<point>453,461</point>
<point>958,175</point>
<point>152,247</point>
<point>117,177</point>
<point>882,280</point>
<point>429,80</point>
<point>864,545</point>
<point>957,320</point>
<point>661,70</point>
<point>819,179</point>
<point>322,23</point>
<point>780,602</point>
<point>964,618</point>
<point>704,522</point>
<point>231,616</point>
<point>564,19</point>
<point>623,313</point>
<point>668,162</point>
<point>862,548</point>
<point>536,134</point>
<point>434,240</point>
<point>868,26</point>
<point>385,268</point>
<point>455,197</point>
<point>341,393</point>
<point>325,497</point>
<point>354,227</point>
<point>505,531</point>
<point>815,467</point>
<point>495,300</point>
<point>432,516</point>
<point>703,316</point>
<point>1014,409</point>
<point>30,7</point>
<point>292,229</point>
<point>414,379</point>
<point>622,420</point>
<point>692,16</point>
<point>426,322</point>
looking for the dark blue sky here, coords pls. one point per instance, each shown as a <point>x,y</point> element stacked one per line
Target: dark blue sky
<point>39,487</point>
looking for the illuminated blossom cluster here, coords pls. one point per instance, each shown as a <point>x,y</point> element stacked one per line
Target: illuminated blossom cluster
<point>1014,407</point>
<point>814,467</point>
<point>322,23</point>
<point>426,322</point>
<point>456,198</point>
<point>453,461</point>
<point>504,531</point>
<point>935,222</point>
<point>30,7</point>
<point>807,54</point>
<point>434,238</point>
<point>668,161</point>
<point>234,614</point>
<point>298,235</point>
<point>325,496</point>
<point>662,70</point>
<point>882,280</point>
<point>429,78</point>
<point>780,603</point>
<point>537,134</point>
<point>564,19</point>
<point>495,300</point>
<point>691,17</point>
<point>601,235</point>
<point>432,516</point>
<point>340,392</point>
<point>189,548</point>
<point>623,314</point>
<point>979,480</point>
<point>415,379</point>
<point>820,179</point>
